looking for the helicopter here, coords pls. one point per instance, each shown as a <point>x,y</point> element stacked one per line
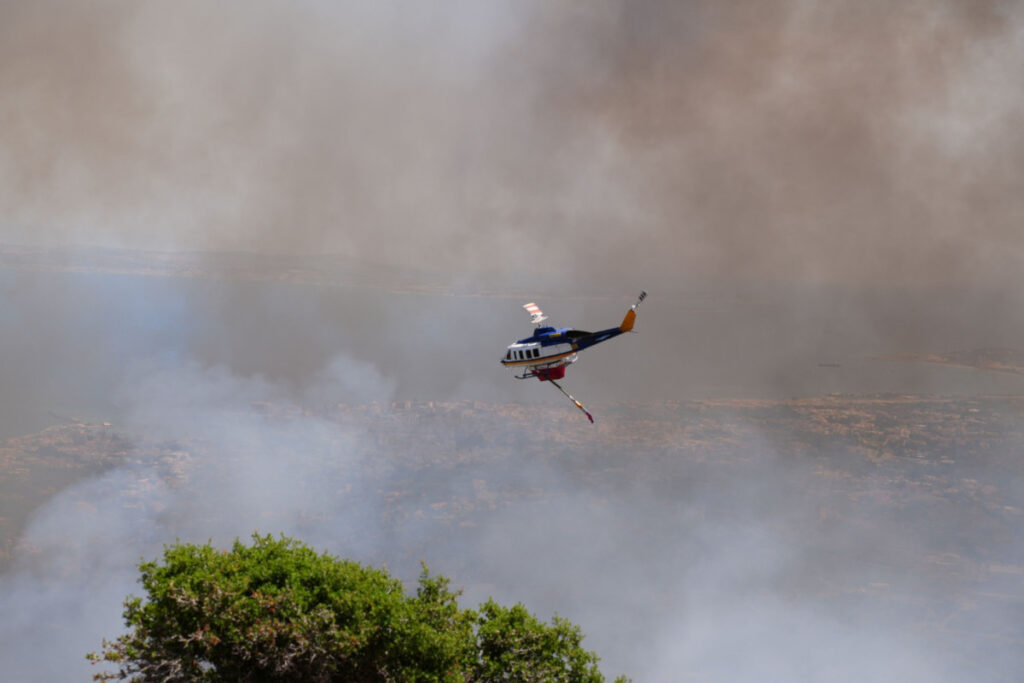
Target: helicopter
<point>551,350</point>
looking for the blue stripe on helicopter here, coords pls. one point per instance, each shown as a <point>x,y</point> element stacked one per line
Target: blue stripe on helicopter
<point>550,336</point>
<point>547,336</point>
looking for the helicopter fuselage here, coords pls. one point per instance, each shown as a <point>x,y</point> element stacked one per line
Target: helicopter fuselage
<point>549,350</point>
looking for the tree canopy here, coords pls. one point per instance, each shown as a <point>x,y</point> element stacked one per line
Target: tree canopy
<point>276,610</point>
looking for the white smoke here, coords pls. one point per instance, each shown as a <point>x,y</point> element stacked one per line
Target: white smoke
<point>217,457</point>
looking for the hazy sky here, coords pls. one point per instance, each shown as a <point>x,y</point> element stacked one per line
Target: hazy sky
<point>852,141</point>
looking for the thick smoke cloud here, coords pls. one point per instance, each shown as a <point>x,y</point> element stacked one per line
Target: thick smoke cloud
<point>842,141</point>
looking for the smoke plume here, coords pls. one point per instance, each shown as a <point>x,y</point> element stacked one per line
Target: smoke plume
<point>843,141</point>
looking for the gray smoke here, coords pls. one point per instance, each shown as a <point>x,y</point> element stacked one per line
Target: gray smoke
<point>842,141</point>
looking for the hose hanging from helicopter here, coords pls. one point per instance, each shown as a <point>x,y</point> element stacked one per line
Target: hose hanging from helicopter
<point>571,398</point>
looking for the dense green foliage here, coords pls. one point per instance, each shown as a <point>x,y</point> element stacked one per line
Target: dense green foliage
<point>278,611</point>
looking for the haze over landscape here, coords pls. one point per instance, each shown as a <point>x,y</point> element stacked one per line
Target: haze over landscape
<point>278,248</point>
